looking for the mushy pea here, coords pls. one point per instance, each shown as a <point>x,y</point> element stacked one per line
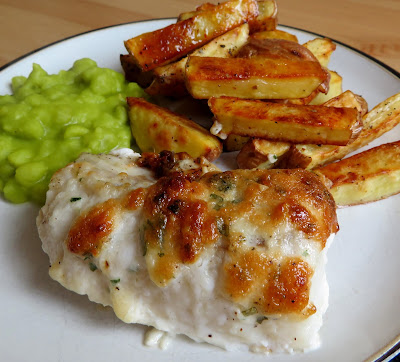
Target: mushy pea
<point>49,120</point>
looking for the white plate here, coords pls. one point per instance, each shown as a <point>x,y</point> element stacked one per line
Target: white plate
<point>41,321</point>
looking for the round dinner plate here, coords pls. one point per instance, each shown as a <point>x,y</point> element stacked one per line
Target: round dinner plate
<point>42,321</point>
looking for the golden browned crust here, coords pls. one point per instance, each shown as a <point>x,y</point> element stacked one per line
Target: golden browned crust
<point>223,69</point>
<point>133,73</point>
<point>92,228</point>
<point>275,287</point>
<point>286,122</point>
<point>188,214</point>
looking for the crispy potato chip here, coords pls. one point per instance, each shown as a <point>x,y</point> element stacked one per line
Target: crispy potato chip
<point>365,177</point>
<point>169,80</point>
<point>322,48</point>
<point>157,129</point>
<point>281,122</point>
<point>133,73</point>
<point>254,78</point>
<point>381,119</point>
<point>163,46</point>
<point>294,157</point>
<point>265,21</point>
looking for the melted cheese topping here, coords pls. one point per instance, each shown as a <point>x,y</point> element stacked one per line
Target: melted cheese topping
<point>185,214</point>
<point>92,229</point>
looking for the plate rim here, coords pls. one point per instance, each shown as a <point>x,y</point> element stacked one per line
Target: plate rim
<point>360,52</point>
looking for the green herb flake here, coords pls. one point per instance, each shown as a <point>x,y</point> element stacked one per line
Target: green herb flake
<point>219,201</point>
<point>216,197</point>
<point>143,240</point>
<point>250,311</point>
<point>160,230</point>
<point>261,319</point>
<point>115,281</point>
<point>88,256</point>
<point>73,199</point>
<point>222,227</point>
<point>306,253</point>
<point>161,254</point>
<point>224,185</point>
<point>222,182</point>
<point>92,267</point>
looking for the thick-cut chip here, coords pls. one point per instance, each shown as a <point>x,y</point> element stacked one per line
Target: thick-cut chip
<point>322,48</point>
<point>266,20</point>
<point>165,45</point>
<point>255,78</point>
<point>381,119</point>
<point>281,122</point>
<point>274,34</point>
<point>133,73</point>
<point>368,176</point>
<point>158,129</point>
<point>289,156</point>
<point>169,80</point>
<point>282,49</point>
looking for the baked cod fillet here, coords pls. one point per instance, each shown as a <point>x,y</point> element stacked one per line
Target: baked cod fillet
<point>234,258</point>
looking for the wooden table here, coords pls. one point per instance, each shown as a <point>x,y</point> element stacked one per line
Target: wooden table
<point>368,25</point>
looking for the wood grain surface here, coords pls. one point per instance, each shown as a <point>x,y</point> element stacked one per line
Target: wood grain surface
<point>371,26</point>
